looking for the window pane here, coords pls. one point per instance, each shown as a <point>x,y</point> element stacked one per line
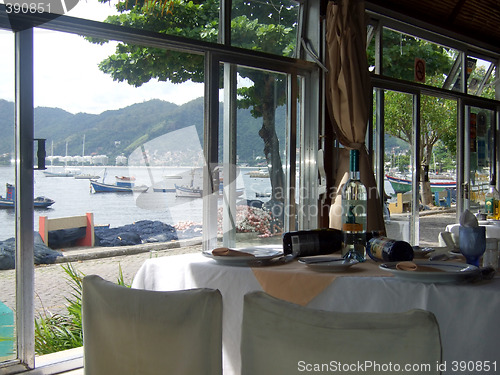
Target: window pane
<point>413,59</point>
<point>112,132</point>
<point>481,78</point>
<point>7,216</point>
<point>192,19</point>
<point>398,168</point>
<point>481,147</point>
<point>261,130</point>
<point>268,26</point>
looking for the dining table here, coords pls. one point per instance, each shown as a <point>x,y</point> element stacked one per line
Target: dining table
<point>468,311</point>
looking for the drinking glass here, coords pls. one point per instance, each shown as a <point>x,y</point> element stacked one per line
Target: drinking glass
<point>472,242</point>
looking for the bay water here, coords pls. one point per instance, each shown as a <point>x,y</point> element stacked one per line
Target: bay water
<point>73,197</point>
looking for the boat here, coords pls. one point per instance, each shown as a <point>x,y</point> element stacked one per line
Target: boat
<point>188,191</point>
<point>402,185</point>
<point>60,173</point>
<point>118,187</point>
<point>262,195</point>
<point>64,173</point>
<point>261,173</point>
<point>9,201</point>
<point>87,176</point>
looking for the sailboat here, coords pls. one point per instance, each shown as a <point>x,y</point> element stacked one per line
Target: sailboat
<point>65,173</point>
<point>86,176</point>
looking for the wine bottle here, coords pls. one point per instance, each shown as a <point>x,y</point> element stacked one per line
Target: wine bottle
<point>491,202</point>
<point>312,242</point>
<point>385,249</point>
<point>354,205</point>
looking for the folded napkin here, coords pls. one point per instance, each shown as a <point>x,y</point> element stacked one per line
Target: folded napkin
<point>411,266</point>
<point>225,251</point>
<point>468,219</point>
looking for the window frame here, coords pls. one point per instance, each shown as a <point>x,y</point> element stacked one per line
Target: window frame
<point>214,54</point>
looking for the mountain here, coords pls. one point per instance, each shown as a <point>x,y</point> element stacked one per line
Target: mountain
<point>121,131</point>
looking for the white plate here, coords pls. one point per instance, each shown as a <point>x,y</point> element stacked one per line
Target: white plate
<point>323,264</point>
<point>261,255</point>
<point>449,272</point>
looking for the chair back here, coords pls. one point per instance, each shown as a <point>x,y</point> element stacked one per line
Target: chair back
<point>132,331</point>
<point>279,337</point>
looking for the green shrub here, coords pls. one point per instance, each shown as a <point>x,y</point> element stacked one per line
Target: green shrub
<point>55,332</point>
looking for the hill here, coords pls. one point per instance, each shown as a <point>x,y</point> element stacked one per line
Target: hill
<point>121,131</point>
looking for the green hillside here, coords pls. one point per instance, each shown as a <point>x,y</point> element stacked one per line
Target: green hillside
<point>122,131</point>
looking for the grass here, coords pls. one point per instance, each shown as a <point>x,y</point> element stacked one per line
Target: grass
<point>56,332</point>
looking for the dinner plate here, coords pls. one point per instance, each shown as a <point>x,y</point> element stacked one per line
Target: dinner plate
<point>324,264</point>
<point>446,272</point>
<point>261,256</point>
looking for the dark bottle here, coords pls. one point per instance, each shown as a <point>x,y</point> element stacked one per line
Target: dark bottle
<point>384,249</point>
<point>312,242</point>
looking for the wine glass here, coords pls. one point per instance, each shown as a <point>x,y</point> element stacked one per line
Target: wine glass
<point>472,242</point>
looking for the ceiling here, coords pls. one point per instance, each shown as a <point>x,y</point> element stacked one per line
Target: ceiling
<point>465,19</point>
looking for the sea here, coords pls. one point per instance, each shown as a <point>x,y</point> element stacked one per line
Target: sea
<point>74,197</point>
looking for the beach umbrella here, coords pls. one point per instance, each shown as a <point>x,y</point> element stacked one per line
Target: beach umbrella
<point>348,99</point>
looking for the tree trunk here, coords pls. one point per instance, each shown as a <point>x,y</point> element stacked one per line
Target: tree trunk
<point>271,142</point>
<point>425,186</point>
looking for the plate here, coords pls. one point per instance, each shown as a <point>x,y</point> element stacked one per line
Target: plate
<point>327,264</point>
<point>448,272</point>
<point>261,256</point>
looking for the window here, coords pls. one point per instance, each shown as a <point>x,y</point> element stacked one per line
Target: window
<point>168,92</point>
<point>7,216</point>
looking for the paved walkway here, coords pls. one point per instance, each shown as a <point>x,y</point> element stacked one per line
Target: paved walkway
<point>52,288</point>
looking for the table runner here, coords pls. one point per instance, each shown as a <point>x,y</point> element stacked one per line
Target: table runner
<point>295,282</point>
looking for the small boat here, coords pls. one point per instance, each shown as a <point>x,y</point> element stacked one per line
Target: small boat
<point>402,185</point>
<point>87,176</point>
<point>9,201</point>
<point>262,195</point>
<point>188,191</point>
<point>261,173</point>
<point>64,173</point>
<point>118,187</point>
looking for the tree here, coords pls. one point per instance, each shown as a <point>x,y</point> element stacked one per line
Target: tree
<point>260,25</point>
<point>438,116</point>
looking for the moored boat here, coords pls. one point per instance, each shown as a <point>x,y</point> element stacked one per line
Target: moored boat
<point>402,185</point>
<point>10,199</point>
<point>188,192</point>
<point>118,187</point>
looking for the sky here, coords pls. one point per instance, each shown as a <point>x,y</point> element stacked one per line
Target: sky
<point>67,76</point>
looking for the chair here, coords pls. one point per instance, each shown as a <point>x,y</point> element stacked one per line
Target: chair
<point>132,331</point>
<point>282,338</point>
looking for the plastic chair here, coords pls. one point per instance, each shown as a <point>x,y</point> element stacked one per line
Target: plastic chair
<point>279,337</point>
<point>133,331</point>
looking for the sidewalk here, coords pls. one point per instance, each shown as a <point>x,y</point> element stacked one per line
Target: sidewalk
<point>77,254</point>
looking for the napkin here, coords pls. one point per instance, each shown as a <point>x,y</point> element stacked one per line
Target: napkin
<point>225,251</point>
<point>468,219</point>
<point>411,266</point>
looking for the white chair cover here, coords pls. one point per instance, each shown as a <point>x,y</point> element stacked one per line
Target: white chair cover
<point>132,331</point>
<point>279,337</point>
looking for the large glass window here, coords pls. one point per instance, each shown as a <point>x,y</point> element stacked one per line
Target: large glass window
<point>262,129</point>
<point>268,26</point>
<point>105,137</point>
<point>7,193</point>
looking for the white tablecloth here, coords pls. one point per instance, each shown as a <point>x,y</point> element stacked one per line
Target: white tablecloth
<point>468,314</point>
